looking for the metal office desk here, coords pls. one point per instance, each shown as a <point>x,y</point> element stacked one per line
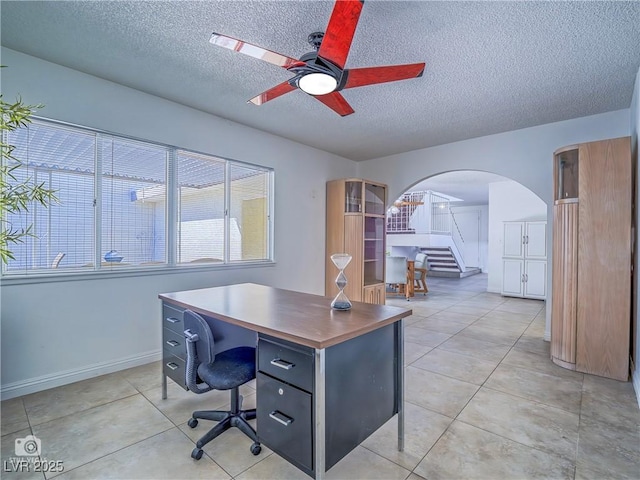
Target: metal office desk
<point>345,366</point>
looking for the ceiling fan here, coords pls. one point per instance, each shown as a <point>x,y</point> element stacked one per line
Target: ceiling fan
<point>321,73</point>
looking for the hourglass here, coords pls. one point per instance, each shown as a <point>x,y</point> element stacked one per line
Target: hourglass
<point>341,260</point>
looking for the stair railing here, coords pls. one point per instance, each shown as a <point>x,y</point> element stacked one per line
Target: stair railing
<point>440,216</point>
<point>400,217</point>
<point>456,234</point>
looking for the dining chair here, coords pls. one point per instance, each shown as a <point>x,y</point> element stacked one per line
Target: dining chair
<point>396,275</point>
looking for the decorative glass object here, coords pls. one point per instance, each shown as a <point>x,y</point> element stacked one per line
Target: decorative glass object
<point>113,257</point>
<point>341,260</point>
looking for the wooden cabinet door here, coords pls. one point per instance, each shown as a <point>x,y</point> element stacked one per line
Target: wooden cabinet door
<point>604,258</point>
<point>374,294</point>
<point>564,284</point>
<point>381,294</point>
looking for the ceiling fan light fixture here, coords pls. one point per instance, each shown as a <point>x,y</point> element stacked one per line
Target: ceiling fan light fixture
<point>317,83</point>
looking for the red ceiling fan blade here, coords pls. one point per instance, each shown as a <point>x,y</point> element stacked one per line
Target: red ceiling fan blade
<point>342,25</point>
<point>359,77</point>
<point>275,92</point>
<point>252,50</point>
<point>337,103</point>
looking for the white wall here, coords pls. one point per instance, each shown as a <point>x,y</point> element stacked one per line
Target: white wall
<point>483,234</point>
<point>635,133</point>
<point>55,333</point>
<point>58,332</point>
<point>508,201</point>
<point>521,155</point>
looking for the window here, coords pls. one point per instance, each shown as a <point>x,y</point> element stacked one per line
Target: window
<point>249,212</point>
<point>114,206</point>
<point>201,200</point>
<point>132,224</point>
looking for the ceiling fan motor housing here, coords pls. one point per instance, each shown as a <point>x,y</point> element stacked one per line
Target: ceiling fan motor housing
<point>315,39</point>
<point>314,64</point>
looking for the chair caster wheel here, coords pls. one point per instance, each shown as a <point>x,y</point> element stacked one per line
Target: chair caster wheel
<point>193,422</point>
<point>256,448</point>
<point>196,454</point>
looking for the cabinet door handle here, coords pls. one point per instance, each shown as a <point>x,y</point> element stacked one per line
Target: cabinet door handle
<point>278,362</point>
<point>281,418</point>
<point>172,366</point>
<point>526,277</point>
<point>172,320</point>
<point>172,343</point>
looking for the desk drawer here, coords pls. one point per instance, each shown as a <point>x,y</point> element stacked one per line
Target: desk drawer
<point>174,368</point>
<point>174,343</point>
<point>172,319</point>
<point>284,420</point>
<point>291,365</point>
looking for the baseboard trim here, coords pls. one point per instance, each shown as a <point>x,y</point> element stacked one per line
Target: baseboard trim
<point>44,382</point>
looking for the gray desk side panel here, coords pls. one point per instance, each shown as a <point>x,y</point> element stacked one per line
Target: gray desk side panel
<point>360,390</point>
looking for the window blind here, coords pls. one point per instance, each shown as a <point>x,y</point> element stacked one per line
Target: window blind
<point>113,204</point>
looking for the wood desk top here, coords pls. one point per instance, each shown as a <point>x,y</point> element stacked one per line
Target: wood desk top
<point>298,317</point>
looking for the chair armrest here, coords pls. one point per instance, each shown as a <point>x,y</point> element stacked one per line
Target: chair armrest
<point>190,336</point>
<point>191,368</point>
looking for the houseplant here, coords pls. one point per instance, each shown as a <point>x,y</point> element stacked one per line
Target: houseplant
<point>16,196</point>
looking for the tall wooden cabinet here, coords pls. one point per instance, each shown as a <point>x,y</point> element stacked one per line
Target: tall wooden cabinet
<point>592,258</point>
<point>356,225</point>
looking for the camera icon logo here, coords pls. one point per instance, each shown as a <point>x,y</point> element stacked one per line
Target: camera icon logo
<point>29,446</point>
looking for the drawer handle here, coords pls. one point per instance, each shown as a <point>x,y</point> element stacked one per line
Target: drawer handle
<point>281,418</point>
<point>172,366</point>
<point>278,362</point>
<point>172,343</point>
<point>172,320</point>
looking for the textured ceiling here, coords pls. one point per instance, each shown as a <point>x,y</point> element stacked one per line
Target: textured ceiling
<point>491,66</point>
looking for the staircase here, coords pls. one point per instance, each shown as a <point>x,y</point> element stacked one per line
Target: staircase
<point>443,263</point>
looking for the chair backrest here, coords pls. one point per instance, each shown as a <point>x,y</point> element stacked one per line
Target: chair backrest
<point>198,325</point>
<point>421,261</point>
<point>396,270</point>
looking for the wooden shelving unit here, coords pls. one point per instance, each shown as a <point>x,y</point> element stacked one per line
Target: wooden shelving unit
<point>356,224</point>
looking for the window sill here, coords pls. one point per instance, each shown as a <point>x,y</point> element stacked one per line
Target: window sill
<point>71,276</point>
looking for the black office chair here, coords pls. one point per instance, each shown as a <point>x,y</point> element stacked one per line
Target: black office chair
<point>226,371</point>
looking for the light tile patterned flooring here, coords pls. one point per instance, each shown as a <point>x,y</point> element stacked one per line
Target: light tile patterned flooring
<point>483,401</point>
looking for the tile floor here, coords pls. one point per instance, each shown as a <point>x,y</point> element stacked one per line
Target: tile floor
<point>482,401</point>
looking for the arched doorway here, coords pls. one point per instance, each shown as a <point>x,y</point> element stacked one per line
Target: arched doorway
<point>475,206</point>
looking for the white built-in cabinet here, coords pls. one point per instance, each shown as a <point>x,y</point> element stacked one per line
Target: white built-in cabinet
<point>524,259</point>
